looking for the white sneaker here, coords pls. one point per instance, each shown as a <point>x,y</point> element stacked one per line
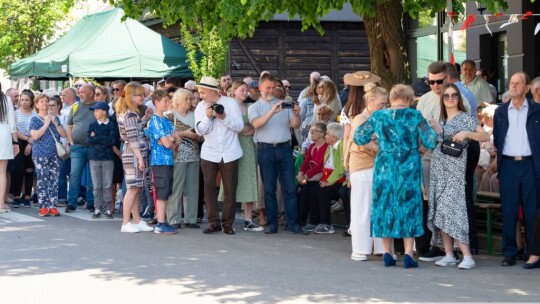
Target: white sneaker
<point>467,263</point>
<point>143,226</point>
<point>448,260</point>
<point>358,257</point>
<point>129,227</point>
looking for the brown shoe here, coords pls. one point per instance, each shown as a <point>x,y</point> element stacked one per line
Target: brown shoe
<point>211,229</point>
<point>229,230</point>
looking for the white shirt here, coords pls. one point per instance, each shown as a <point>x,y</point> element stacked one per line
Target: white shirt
<point>516,142</point>
<point>220,136</point>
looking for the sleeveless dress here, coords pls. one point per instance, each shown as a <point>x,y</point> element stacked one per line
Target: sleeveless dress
<point>447,210</point>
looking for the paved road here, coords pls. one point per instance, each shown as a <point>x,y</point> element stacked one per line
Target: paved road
<point>72,259</point>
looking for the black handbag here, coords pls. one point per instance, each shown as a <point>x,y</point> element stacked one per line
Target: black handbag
<point>452,148</point>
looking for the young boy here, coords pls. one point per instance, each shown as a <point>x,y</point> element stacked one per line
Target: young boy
<point>101,136</point>
<point>162,141</point>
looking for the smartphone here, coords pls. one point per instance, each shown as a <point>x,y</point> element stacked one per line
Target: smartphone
<point>287,105</point>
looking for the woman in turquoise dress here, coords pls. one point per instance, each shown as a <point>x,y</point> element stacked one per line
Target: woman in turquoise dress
<point>397,196</point>
<point>247,190</point>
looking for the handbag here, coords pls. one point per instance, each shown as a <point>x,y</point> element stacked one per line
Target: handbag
<point>60,148</point>
<point>452,148</point>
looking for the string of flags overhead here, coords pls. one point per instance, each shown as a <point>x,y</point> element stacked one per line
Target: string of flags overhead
<point>512,19</point>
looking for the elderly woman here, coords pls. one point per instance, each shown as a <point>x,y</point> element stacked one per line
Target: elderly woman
<point>359,162</point>
<point>397,198</point>
<point>42,129</point>
<point>309,177</point>
<point>186,163</point>
<point>333,176</point>
<point>447,211</point>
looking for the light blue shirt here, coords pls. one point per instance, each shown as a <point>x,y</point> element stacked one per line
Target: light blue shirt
<point>516,142</point>
<point>277,129</point>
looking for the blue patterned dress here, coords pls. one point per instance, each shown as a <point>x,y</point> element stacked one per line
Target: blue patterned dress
<point>397,196</point>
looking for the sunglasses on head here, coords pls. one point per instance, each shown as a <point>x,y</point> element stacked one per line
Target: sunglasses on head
<point>438,81</point>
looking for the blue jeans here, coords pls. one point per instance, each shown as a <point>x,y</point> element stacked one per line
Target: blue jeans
<point>62,179</point>
<point>79,160</point>
<point>274,163</point>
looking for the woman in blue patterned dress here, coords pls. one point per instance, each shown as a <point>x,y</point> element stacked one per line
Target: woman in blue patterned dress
<point>447,211</point>
<point>397,198</point>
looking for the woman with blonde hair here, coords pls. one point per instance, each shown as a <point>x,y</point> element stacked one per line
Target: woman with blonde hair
<point>186,163</point>
<point>134,155</point>
<point>359,162</point>
<point>397,197</point>
<point>327,94</point>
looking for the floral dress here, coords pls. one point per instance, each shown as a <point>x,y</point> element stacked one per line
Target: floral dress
<point>132,136</point>
<point>397,196</point>
<point>447,209</point>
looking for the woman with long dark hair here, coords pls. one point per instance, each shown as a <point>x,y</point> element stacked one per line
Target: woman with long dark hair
<point>9,146</point>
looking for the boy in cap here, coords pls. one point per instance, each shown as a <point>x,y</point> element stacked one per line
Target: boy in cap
<point>101,137</point>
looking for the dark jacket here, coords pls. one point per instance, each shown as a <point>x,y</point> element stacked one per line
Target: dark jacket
<point>101,144</point>
<point>501,125</point>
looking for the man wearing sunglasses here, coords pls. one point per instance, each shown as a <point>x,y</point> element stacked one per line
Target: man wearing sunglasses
<point>430,106</point>
<point>118,88</point>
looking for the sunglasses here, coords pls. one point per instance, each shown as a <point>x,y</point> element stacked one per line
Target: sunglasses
<point>116,89</point>
<point>78,85</point>
<point>438,81</point>
<point>288,87</point>
<point>450,96</point>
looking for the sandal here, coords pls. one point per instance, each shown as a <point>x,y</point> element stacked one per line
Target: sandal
<point>5,209</point>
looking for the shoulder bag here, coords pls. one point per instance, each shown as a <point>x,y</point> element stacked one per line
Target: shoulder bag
<point>452,148</point>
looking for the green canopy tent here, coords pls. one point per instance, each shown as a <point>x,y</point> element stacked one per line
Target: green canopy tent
<point>102,46</point>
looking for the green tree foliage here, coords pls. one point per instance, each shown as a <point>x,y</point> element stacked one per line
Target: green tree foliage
<point>26,26</point>
<point>239,18</point>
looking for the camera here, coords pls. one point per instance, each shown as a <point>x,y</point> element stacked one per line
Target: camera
<point>218,108</point>
<point>287,105</point>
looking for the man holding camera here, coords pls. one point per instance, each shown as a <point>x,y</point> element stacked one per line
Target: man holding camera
<point>272,119</point>
<point>219,119</point>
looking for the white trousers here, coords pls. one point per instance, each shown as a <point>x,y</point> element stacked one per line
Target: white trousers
<point>360,227</point>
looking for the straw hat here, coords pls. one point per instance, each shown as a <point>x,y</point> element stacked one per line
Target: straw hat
<point>360,78</point>
<point>208,82</point>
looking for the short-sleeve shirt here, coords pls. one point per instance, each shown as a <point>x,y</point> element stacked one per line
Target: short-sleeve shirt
<point>45,146</point>
<point>23,121</point>
<point>80,120</point>
<point>277,129</point>
<point>157,128</point>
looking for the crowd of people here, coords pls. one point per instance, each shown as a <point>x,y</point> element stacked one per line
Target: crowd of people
<point>404,164</point>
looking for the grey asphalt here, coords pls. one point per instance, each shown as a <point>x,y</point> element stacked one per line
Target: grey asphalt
<point>75,260</point>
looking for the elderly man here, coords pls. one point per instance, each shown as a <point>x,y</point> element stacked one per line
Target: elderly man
<point>219,119</point>
<point>14,95</point>
<point>535,89</point>
<point>517,138</point>
<point>225,82</point>
<point>478,86</point>
<point>117,89</point>
<point>272,125</point>
<point>148,90</point>
<point>80,117</point>
<point>67,96</point>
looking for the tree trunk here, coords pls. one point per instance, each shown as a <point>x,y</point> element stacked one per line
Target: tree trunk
<point>387,48</point>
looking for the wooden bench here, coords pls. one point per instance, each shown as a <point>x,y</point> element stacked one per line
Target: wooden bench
<point>489,201</point>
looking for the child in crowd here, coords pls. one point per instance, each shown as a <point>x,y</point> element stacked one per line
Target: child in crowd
<point>101,136</point>
<point>162,141</point>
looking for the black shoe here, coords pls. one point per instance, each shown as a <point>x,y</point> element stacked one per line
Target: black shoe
<point>70,209</point>
<point>346,234</point>
<point>96,215</point>
<point>90,208</point>
<point>532,265</point>
<point>270,229</point>
<point>188,225</point>
<point>81,201</point>
<point>521,255</point>
<point>298,230</point>
<point>508,261</point>
<point>177,226</point>
<point>433,255</point>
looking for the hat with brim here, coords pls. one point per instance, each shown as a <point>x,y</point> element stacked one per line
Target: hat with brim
<point>100,105</point>
<point>360,78</point>
<point>208,82</point>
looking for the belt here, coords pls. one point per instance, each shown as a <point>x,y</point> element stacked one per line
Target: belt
<point>267,145</point>
<point>517,158</point>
